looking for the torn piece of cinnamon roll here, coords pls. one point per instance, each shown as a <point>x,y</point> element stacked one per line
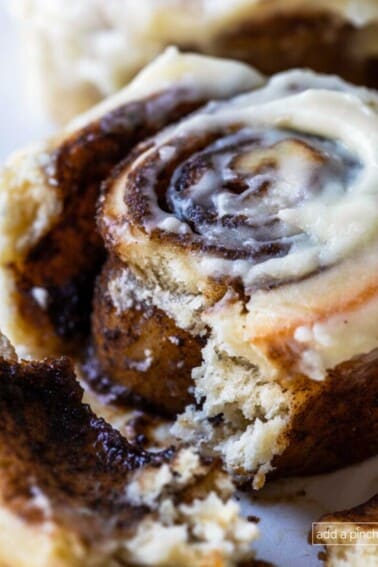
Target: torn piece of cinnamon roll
<point>50,250</point>
<point>74,492</point>
<point>350,537</point>
<point>85,50</point>
<point>252,225</point>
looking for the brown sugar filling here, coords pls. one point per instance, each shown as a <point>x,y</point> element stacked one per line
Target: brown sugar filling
<point>67,259</point>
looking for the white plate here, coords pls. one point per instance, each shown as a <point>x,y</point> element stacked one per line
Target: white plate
<point>285,517</point>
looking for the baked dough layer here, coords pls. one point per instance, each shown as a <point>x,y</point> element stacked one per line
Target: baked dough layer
<point>246,223</point>
<point>143,356</point>
<point>292,425</point>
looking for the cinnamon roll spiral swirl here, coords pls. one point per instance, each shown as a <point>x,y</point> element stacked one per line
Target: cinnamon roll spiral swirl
<point>239,217</point>
<point>245,224</point>
<point>253,182</point>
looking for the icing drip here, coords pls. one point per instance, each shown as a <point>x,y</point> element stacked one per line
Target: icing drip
<point>232,192</point>
<point>267,187</point>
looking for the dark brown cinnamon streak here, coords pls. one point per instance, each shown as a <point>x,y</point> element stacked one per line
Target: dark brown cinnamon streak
<point>51,444</point>
<point>74,492</point>
<point>66,260</point>
<point>224,188</point>
<point>140,356</point>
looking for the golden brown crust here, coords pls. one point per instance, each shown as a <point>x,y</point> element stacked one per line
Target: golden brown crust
<point>141,352</point>
<point>335,422</point>
<point>71,482</point>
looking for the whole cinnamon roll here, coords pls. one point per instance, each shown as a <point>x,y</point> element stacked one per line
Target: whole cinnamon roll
<point>252,224</point>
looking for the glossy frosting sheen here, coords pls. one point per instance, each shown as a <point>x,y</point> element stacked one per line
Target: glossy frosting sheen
<point>278,183</point>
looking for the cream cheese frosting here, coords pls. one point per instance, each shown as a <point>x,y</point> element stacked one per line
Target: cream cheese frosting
<point>321,114</point>
<point>306,149</point>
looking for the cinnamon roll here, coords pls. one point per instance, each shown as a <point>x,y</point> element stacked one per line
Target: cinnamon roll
<point>82,51</point>
<point>75,493</point>
<point>252,225</point>
<point>240,281</point>
<point>354,536</point>
<point>50,250</point>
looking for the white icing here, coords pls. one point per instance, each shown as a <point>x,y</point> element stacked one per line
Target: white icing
<point>288,182</point>
<point>141,365</point>
<point>337,123</point>
<point>41,296</point>
<point>325,344</point>
<point>166,153</point>
<point>171,224</point>
<point>6,349</point>
<point>41,501</point>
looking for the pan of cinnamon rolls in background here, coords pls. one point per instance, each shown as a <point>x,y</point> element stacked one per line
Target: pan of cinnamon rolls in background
<point>80,52</point>
<point>203,246</point>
